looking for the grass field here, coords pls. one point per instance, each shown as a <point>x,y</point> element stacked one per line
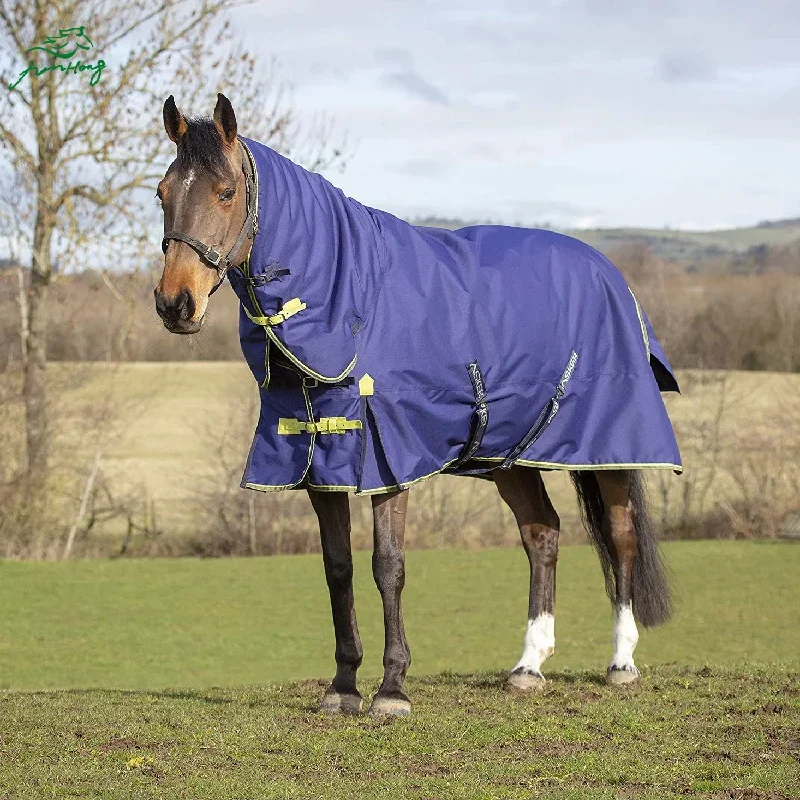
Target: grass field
<point>711,732</point>
<point>136,624</point>
<point>119,662</point>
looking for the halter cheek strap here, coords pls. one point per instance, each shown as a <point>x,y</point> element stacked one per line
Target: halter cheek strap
<point>210,254</point>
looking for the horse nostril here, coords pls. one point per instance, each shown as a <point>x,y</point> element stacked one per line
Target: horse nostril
<point>186,305</point>
<point>162,307</point>
<point>180,308</point>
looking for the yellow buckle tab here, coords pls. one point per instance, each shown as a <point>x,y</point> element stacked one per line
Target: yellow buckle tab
<point>290,308</point>
<point>366,386</point>
<point>287,427</point>
<point>337,424</point>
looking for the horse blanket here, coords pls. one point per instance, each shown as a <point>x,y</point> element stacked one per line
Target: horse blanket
<point>386,353</point>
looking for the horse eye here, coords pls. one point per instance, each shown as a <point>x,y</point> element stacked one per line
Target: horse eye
<point>227,195</point>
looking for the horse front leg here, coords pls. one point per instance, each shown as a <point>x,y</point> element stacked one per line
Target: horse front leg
<point>333,513</point>
<point>388,569</point>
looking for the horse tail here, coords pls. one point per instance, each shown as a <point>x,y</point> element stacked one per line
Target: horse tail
<point>652,598</point>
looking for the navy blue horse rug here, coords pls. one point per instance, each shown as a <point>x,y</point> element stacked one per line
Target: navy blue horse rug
<point>386,353</point>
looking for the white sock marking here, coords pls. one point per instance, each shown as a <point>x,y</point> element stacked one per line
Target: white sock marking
<point>540,642</point>
<point>625,638</point>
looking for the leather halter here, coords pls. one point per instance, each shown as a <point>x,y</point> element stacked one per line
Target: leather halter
<point>210,254</point>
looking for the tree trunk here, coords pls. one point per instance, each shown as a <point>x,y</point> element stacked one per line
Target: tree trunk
<point>22,299</point>
<point>34,386</point>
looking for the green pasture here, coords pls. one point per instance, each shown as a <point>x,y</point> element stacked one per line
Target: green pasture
<point>198,679</point>
<point>710,732</point>
<point>138,624</point>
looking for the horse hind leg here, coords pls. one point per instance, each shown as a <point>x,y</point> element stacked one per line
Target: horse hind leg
<point>619,532</point>
<point>523,489</point>
<point>616,516</point>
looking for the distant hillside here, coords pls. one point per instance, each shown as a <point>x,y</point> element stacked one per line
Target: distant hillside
<point>672,244</point>
<point>694,245</point>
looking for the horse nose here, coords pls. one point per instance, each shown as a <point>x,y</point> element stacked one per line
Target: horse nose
<point>180,308</point>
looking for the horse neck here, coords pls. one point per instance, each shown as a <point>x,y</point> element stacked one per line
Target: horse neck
<point>329,241</point>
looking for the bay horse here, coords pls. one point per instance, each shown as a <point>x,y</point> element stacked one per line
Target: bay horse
<point>211,193</point>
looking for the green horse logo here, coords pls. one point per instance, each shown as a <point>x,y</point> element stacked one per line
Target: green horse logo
<point>64,46</point>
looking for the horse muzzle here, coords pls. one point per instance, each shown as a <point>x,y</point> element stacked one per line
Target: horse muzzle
<point>178,312</point>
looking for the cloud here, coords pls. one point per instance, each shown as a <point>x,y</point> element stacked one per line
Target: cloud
<point>422,167</point>
<point>414,84</point>
<point>629,8</point>
<point>394,56</point>
<point>685,67</point>
<point>644,112</point>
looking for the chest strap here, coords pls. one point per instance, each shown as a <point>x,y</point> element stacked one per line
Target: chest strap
<point>289,426</point>
<point>290,308</point>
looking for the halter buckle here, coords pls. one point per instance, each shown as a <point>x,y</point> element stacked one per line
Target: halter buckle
<point>212,256</point>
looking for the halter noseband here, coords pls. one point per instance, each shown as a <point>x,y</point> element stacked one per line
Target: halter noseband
<point>249,229</point>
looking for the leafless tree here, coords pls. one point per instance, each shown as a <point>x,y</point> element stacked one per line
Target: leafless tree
<point>89,143</point>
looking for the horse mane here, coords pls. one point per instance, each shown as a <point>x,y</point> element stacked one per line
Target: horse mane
<point>201,146</point>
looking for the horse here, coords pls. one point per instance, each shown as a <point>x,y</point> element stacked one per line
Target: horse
<point>277,228</point>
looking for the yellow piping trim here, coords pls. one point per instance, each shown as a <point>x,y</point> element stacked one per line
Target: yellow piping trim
<point>271,335</point>
<point>267,370</point>
<point>332,487</point>
<point>313,441</point>
<point>521,462</point>
<point>641,323</point>
<point>298,363</point>
<point>578,467</point>
<point>268,487</point>
<point>395,487</point>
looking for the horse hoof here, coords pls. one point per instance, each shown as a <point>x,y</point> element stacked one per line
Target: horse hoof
<point>389,707</point>
<point>622,677</point>
<point>335,703</point>
<point>525,682</point>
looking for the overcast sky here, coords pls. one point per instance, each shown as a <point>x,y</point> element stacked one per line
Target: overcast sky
<point>682,113</point>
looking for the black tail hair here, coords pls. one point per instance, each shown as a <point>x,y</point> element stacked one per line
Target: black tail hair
<point>652,599</point>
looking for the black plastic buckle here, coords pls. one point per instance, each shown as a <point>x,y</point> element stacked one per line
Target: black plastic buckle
<point>274,274</point>
<point>310,383</point>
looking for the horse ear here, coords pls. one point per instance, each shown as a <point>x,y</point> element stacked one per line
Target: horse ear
<point>225,119</point>
<point>174,121</point>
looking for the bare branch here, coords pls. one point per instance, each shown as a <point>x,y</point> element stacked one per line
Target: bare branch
<point>87,491</point>
<point>8,138</point>
<point>108,282</point>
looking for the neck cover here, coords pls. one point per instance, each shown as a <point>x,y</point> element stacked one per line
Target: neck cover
<point>386,353</point>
